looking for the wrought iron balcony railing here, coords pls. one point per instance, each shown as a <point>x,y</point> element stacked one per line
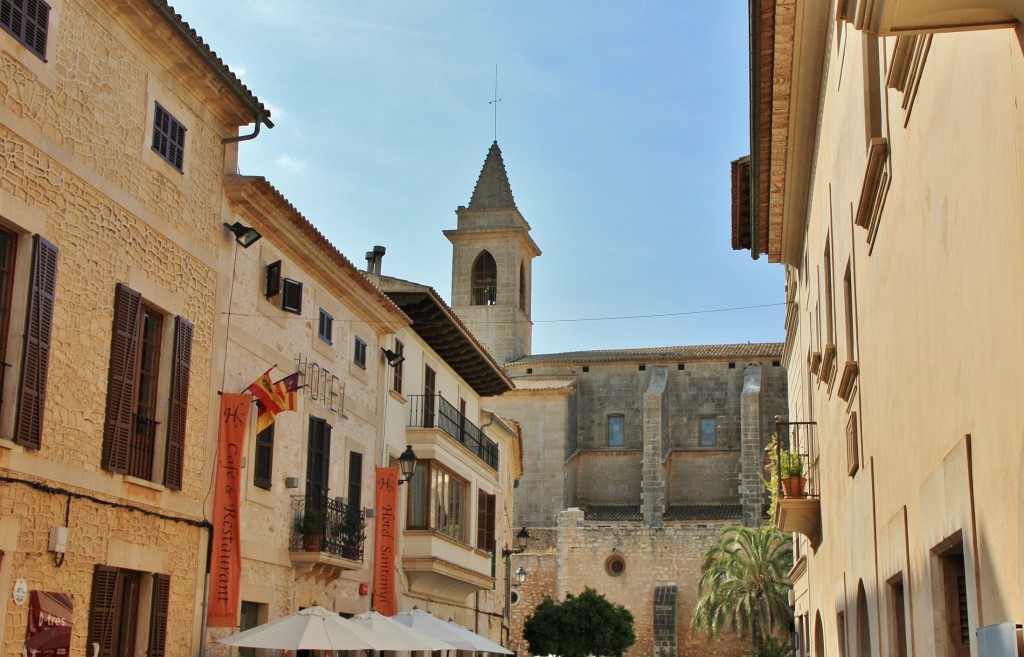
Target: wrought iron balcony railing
<point>429,411</point>
<point>796,444</point>
<point>320,524</point>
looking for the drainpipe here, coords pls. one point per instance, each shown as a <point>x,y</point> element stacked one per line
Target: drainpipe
<point>260,118</point>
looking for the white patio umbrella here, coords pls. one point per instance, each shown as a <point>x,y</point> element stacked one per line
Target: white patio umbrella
<point>381,623</point>
<point>456,635</point>
<point>316,628</point>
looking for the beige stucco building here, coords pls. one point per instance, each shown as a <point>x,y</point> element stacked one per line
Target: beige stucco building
<point>456,511</point>
<point>113,118</point>
<point>886,177</point>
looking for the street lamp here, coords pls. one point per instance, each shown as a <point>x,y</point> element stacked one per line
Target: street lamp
<point>522,538</point>
<point>407,464</point>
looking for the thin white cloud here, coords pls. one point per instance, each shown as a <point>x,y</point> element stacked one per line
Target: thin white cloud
<point>286,161</point>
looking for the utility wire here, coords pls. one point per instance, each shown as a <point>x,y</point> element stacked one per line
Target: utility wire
<point>554,321</point>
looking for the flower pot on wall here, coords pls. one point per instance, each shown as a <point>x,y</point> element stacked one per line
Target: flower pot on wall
<point>311,542</point>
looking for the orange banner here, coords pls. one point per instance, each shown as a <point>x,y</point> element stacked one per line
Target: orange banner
<point>384,543</point>
<point>226,559</point>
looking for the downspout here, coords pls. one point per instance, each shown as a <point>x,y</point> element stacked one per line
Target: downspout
<point>260,118</point>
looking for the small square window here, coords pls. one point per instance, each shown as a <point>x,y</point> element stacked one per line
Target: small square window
<point>291,297</point>
<point>169,138</point>
<point>326,327</point>
<point>708,437</point>
<point>359,356</point>
<point>616,430</point>
<point>28,22</point>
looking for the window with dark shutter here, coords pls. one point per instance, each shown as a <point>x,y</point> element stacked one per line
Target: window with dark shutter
<point>169,137</point>
<point>28,22</point>
<point>486,508</point>
<point>355,480</point>
<point>103,609</point>
<point>273,286</point>
<point>180,372</point>
<point>158,615</point>
<point>122,393</point>
<point>318,459</point>
<point>399,351</point>
<point>291,298</point>
<point>264,469</point>
<point>28,427</point>
<point>325,329</point>
<point>359,353</point>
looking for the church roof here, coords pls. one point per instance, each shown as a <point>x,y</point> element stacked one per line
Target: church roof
<point>492,191</point>
<point>654,354</point>
<point>544,382</point>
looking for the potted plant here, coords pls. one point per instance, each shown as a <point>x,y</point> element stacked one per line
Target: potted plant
<point>311,526</point>
<point>350,531</point>
<point>791,473</point>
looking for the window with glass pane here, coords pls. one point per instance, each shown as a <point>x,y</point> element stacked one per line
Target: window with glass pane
<point>616,430</point>
<point>707,432</point>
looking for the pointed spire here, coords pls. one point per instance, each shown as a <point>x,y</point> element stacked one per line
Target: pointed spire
<point>492,189</point>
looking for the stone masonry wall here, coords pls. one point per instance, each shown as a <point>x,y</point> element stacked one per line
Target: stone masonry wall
<point>577,556</point>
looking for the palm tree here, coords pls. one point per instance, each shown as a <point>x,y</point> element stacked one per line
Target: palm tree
<point>744,585</point>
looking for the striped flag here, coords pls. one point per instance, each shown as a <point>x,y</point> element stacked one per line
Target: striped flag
<point>273,398</point>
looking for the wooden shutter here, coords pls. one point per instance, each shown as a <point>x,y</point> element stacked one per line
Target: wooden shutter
<point>158,615</point>
<point>264,469</point>
<point>485,518</point>
<point>103,609</point>
<point>355,480</point>
<point>122,385</point>
<point>273,287</point>
<point>180,370</point>
<point>318,459</point>
<point>291,299</point>
<point>28,427</point>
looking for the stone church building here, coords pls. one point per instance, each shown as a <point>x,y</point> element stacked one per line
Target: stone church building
<point>634,459</point>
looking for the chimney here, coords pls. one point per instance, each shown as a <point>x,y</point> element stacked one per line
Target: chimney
<point>374,258</point>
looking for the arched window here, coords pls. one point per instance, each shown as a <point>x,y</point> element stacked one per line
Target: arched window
<point>522,287</point>
<point>484,281</point>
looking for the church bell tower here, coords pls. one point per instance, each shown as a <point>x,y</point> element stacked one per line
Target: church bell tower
<point>492,265</point>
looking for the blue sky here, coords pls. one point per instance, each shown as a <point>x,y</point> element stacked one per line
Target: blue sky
<point>617,123</point>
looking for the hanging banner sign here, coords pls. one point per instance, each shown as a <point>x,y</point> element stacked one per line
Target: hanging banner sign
<point>48,633</point>
<point>226,560</point>
<point>384,542</point>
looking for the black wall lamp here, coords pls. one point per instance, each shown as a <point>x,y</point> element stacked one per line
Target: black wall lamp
<point>407,464</point>
<point>522,539</point>
<point>392,358</point>
<point>246,236</point>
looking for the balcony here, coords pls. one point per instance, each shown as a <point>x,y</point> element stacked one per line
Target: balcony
<point>434,412</point>
<point>327,537</point>
<point>799,505</point>
<point>439,566</point>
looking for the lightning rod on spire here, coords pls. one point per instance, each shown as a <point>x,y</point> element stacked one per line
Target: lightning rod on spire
<point>495,102</point>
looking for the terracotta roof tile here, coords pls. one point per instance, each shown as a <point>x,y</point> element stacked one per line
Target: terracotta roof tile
<point>542,382</point>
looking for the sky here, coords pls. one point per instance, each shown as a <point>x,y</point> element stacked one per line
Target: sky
<point>617,122</point>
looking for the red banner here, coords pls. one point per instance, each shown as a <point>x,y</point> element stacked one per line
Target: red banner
<point>226,560</point>
<point>384,542</point>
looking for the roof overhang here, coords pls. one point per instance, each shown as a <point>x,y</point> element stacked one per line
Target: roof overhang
<point>259,203</point>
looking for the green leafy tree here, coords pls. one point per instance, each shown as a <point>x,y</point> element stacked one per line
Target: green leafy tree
<point>744,586</point>
<point>586,624</point>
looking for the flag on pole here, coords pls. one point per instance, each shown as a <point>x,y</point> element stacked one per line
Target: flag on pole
<point>273,398</point>
<point>288,392</point>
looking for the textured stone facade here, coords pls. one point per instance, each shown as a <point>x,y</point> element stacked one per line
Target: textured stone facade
<point>77,168</point>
